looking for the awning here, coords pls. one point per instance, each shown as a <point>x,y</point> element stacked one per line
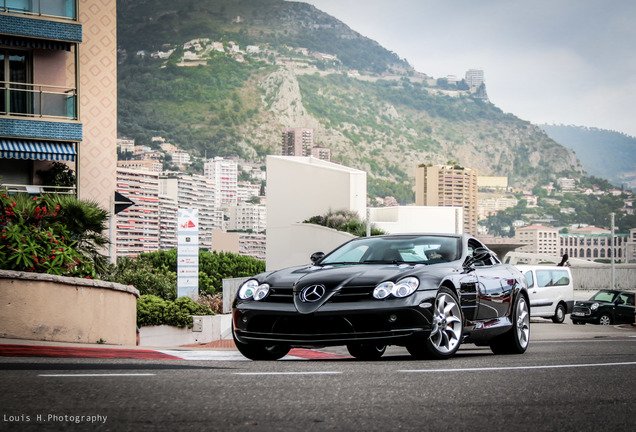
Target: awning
<point>34,43</point>
<point>37,150</point>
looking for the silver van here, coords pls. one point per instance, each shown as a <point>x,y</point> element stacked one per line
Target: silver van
<point>551,291</point>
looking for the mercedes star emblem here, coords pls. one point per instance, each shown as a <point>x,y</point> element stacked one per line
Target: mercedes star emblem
<point>312,293</point>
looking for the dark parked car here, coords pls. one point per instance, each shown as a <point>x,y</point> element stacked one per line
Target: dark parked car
<point>426,292</point>
<point>605,307</point>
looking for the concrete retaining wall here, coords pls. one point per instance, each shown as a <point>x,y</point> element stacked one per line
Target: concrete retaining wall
<point>45,307</point>
<point>212,328</point>
<point>595,278</point>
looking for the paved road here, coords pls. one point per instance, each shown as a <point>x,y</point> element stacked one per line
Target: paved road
<point>572,378</point>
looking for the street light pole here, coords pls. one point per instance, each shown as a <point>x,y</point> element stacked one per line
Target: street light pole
<point>613,253</point>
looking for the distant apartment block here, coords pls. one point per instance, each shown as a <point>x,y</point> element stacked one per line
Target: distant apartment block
<point>126,145</point>
<point>449,186</point>
<point>194,192</point>
<point>247,191</point>
<point>150,165</point>
<point>491,204</point>
<point>474,77</point>
<point>224,174</point>
<point>167,223</point>
<point>137,227</point>
<point>247,217</point>
<point>322,153</point>
<point>297,142</point>
<point>538,239</point>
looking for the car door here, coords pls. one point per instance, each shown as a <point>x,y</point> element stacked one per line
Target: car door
<point>494,287</point>
<point>624,312</point>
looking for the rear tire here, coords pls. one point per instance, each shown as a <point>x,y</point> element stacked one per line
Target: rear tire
<point>559,314</point>
<point>515,340</point>
<point>366,351</point>
<point>255,351</point>
<point>448,327</point>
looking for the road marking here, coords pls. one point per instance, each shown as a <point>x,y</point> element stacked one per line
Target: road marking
<point>288,373</point>
<point>96,375</point>
<point>517,368</point>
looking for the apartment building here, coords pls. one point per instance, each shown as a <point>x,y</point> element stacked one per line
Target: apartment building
<point>195,192</point>
<point>449,186</point>
<point>247,217</point>
<point>137,227</point>
<point>538,239</point>
<point>167,223</point>
<point>224,174</point>
<point>474,77</point>
<point>57,101</point>
<point>297,142</point>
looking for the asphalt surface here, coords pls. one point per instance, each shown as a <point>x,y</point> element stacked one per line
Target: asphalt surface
<point>578,378</point>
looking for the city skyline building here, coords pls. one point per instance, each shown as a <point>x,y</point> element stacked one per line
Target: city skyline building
<point>297,141</point>
<point>224,174</point>
<point>449,186</point>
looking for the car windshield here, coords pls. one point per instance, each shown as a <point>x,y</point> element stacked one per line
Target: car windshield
<point>604,296</point>
<point>425,249</point>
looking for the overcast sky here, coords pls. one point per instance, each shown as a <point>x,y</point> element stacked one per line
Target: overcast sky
<point>546,61</point>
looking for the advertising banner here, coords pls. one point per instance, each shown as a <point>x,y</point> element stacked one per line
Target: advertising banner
<point>188,253</point>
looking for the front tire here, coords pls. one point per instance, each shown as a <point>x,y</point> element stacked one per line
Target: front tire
<point>448,327</point>
<point>515,340</point>
<point>605,319</point>
<point>559,314</point>
<point>254,351</point>
<point>366,351</point>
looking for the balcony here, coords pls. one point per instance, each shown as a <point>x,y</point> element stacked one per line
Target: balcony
<point>38,100</point>
<point>66,9</point>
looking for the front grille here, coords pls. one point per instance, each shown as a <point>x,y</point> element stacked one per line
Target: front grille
<point>350,294</point>
<point>581,311</point>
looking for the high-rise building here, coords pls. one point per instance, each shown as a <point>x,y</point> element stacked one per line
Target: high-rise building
<point>297,142</point>
<point>194,192</point>
<point>167,223</point>
<point>137,227</point>
<point>247,217</point>
<point>59,102</point>
<point>224,174</point>
<point>449,186</point>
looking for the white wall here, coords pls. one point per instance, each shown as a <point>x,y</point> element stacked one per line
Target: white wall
<point>299,188</point>
<point>418,219</point>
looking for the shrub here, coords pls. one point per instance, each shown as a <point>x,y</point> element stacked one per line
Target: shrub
<point>153,310</point>
<point>35,238</point>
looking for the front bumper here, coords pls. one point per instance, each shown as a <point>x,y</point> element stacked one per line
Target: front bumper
<point>394,322</point>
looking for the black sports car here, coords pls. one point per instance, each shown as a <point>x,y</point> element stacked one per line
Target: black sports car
<point>426,292</point>
<point>605,307</point>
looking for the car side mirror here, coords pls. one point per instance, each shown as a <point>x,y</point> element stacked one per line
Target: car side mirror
<point>317,256</point>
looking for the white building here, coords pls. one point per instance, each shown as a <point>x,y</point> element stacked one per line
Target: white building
<point>292,197</point>
<point>167,223</point>
<point>247,217</point>
<point>224,174</point>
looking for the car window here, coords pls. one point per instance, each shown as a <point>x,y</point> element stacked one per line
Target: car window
<point>604,296</point>
<point>546,278</point>
<point>625,299</point>
<point>529,278</point>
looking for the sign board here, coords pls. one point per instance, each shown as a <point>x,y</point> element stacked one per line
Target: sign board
<point>188,253</point>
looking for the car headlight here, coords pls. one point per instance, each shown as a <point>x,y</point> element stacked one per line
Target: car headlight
<point>248,289</point>
<point>401,289</point>
<point>594,306</point>
<point>405,287</point>
<point>261,292</point>
<point>383,290</point>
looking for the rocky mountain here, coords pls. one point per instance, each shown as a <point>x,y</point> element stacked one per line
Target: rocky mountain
<point>224,77</point>
<point>604,153</point>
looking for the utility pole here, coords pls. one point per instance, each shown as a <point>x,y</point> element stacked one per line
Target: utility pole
<point>613,252</point>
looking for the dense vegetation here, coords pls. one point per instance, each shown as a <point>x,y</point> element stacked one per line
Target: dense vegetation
<point>344,220</point>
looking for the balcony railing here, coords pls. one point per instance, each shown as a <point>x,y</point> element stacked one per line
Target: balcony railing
<point>37,189</point>
<point>45,8</point>
<point>38,100</point>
